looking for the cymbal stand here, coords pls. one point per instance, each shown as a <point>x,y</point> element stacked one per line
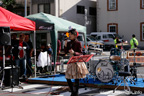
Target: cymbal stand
<point>134,69</point>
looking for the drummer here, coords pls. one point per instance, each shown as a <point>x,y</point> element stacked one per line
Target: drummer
<point>116,41</point>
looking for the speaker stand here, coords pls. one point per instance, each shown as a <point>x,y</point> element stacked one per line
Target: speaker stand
<point>2,85</point>
<point>12,83</point>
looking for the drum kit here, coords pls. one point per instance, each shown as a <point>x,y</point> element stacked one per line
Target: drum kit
<point>106,69</point>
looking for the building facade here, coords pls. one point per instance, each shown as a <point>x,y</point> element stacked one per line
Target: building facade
<point>20,7</point>
<point>125,17</point>
<point>72,10</point>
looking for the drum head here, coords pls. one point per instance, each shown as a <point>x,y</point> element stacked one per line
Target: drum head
<point>104,71</point>
<point>115,58</point>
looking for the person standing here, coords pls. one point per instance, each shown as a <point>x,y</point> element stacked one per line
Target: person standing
<point>78,70</point>
<point>49,49</point>
<point>20,55</point>
<point>116,41</point>
<point>134,42</point>
<point>29,54</point>
<point>58,46</point>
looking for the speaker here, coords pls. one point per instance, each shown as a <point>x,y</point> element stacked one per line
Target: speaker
<point>5,36</point>
<point>9,75</point>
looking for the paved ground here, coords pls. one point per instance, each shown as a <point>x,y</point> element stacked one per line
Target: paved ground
<point>45,90</point>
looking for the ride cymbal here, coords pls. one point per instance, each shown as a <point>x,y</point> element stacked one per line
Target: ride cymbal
<point>96,43</point>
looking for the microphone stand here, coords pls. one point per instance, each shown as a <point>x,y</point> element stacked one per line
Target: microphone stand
<point>11,61</point>
<point>2,85</point>
<point>134,70</point>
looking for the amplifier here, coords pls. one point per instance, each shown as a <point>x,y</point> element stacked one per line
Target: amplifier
<point>11,74</point>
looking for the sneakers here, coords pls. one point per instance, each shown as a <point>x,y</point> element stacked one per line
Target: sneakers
<point>23,77</point>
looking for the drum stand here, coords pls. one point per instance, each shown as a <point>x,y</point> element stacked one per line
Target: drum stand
<point>134,70</point>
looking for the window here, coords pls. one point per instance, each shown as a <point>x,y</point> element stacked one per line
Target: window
<point>141,4</point>
<point>112,5</point>
<point>112,27</point>
<point>44,8</point>
<point>94,35</point>
<point>110,36</point>
<point>80,9</point>
<point>88,39</point>
<point>104,36</point>
<point>92,11</point>
<point>142,31</point>
<point>80,38</point>
<point>98,37</point>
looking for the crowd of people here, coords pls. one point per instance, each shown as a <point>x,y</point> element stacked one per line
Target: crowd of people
<point>22,50</point>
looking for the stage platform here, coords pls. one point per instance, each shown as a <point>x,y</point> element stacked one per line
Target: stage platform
<point>59,79</point>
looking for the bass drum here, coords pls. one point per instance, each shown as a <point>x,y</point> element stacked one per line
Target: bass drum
<point>104,71</point>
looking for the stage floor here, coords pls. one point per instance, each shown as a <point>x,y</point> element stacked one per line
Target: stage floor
<point>59,79</point>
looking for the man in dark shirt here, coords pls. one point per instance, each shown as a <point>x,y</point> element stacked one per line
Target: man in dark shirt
<point>29,53</point>
<point>20,54</point>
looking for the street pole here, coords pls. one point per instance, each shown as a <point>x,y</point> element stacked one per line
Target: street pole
<point>86,27</point>
<point>1,2</point>
<point>25,7</point>
<point>85,17</point>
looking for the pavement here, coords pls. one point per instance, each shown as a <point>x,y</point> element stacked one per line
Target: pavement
<point>47,90</point>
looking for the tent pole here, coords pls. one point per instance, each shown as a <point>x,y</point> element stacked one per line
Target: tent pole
<point>35,51</point>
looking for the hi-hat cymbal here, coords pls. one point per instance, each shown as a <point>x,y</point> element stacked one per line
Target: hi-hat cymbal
<point>96,43</point>
<point>122,44</point>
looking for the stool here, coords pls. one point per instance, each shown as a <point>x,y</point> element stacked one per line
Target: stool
<point>124,74</point>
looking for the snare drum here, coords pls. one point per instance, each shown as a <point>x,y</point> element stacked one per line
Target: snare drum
<point>104,71</point>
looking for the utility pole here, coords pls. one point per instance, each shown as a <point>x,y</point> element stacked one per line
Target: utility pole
<point>1,2</point>
<point>25,7</point>
<point>85,17</point>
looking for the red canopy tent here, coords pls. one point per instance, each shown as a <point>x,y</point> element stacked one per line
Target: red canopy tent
<point>17,23</point>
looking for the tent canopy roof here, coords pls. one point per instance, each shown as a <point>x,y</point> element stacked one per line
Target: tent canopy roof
<point>54,24</point>
<point>15,22</point>
<point>43,19</point>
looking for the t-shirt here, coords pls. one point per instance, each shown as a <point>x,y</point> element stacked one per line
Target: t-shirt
<point>21,52</point>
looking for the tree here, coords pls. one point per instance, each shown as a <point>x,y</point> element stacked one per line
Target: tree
<point>9,4</point>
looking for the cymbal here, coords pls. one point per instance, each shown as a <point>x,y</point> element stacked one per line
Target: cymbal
<point>96,43</point>
<point>122,44</point>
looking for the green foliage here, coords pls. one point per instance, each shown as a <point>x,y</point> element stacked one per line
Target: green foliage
<point>9,4</point>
